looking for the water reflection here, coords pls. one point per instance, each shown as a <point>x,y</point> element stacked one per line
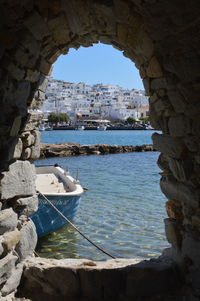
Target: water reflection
<point>59,244</point>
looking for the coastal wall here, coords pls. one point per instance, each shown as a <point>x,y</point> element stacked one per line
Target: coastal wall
<point>162,38</point>
<point>75,149</point>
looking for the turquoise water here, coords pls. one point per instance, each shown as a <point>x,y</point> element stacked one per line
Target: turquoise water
<point>103,137</point>
<point>122,210</point>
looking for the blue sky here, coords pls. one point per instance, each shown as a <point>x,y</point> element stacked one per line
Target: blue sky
<point>98,64</point>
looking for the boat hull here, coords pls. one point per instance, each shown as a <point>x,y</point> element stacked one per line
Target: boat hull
<point>47,219</point>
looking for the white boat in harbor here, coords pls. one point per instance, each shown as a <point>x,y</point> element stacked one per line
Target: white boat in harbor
<point>62,190</point>
<point>102,127</point>
<point>48,128</point>
<point>149,127</point>
<point>80,127</point>
<point>41,128</point>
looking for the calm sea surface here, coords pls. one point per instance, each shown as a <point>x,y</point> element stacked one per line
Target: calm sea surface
<point>122,210</point>
<point>103,137</point>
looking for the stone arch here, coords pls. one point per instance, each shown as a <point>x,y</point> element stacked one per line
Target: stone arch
<point>162,39</point>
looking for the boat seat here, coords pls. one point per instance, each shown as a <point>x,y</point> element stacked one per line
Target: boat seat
<point>48,183</point>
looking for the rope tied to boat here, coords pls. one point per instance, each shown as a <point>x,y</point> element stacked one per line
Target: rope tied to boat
<point>73,226</point>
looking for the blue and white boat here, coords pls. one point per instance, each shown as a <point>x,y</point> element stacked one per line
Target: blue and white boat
<point>63,191</point>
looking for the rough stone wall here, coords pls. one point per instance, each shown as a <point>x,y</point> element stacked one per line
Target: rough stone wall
<point>174,109</point>
<point>33,34</point>
<point>115,279</point>
<point>162,38</point>
<point>18,201</point>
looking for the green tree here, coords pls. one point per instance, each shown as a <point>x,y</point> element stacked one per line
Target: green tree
<point>58,117</point>
<point>144,118</point>
<point>131,120</point>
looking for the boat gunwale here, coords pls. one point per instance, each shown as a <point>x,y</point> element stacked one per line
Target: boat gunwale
<point>68,178</point>
<point>72,193</point>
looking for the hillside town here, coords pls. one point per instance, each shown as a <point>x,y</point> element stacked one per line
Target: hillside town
<point>100,101</point>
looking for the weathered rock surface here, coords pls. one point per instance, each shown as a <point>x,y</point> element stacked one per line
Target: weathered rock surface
<point>10,239</point>
<point>11,297</point>
<point>26,205</point>
<point>18,181</point>
<point>13,281</point>
<point>168,145</point>
<point>72,149</point>
<point>176,190</point>
<point>82,279</point>
<point>173,232</point>
<point>18,149</point>
<point>8,220</point>
<point>7,266</point>
<point>28,241</point>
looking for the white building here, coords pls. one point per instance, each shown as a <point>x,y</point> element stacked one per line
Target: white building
<point>108,101</point>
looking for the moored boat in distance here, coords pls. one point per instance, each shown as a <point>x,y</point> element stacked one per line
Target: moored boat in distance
<point>80,127</point>
<point>62,190</point>
<point>149,127</point>
<point>48,128</point>
<point>102,127</point>
<point>41,128</point>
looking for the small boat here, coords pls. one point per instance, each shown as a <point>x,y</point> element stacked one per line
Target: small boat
<point>102,127</point>
<point>80,127</point>
<point>63,191</point>
<point>41,128</point>
<point>48,128</point>
<point>149,127</point>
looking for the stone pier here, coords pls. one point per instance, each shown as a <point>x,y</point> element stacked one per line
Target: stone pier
<point>75,149</point>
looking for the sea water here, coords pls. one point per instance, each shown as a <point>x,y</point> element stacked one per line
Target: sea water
<point>131,137</point>
<point>123,209</point>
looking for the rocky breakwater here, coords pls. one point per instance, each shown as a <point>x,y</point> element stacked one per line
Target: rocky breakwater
<point>75,149</point>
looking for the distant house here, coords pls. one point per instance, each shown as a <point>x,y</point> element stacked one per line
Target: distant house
<point>143,111</point>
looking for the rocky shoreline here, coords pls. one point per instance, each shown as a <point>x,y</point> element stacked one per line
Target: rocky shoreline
<point>75,149</point>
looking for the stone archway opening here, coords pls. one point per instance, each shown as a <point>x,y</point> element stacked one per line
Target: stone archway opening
<point>149,234</point>
<point>160,37</point>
